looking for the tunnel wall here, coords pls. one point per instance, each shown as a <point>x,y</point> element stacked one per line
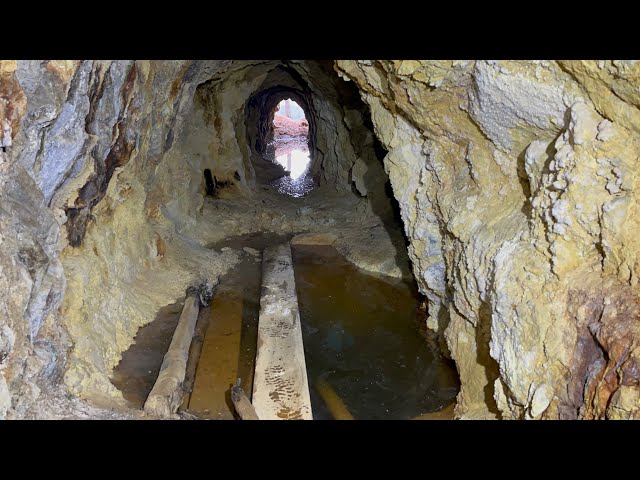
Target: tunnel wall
<point>517,182</point>
<point>83,141</point>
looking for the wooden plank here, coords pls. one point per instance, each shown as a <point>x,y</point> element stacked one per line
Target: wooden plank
<point>280,386</point>
<point>166,395</point>
<point>194,355</point>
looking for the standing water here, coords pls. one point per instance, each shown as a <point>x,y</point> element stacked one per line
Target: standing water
<point>364,354</point>
<point>290,149</point>
<point>362,343</point>
<point>298,182</point>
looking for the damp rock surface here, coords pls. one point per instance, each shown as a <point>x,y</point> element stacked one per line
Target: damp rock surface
<point>516,183</point>
<point>138,369</point>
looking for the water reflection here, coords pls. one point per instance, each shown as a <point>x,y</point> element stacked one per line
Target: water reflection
<point>294,188</point>
<point>296,162</point>
<point>290,149</point>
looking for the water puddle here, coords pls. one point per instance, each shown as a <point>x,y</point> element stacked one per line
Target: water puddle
<point>138,369</point>
<point>294,188</point>
<point>298,182</point>
<point>296,162</point>
<point>230,343</point>
<point>365,357</point>
<point>290,149</point>
<point>229,347</point>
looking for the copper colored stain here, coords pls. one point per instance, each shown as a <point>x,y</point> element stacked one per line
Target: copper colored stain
<point>13,102</point>
<point>605,356</point>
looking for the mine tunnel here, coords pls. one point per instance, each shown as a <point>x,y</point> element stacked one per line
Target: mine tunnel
<point>318,240</point>
<point>292,160</point>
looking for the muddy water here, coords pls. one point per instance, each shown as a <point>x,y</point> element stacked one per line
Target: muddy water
<point>138,369</point>
<point>229,345</point>
<point>364,354</point>
<point>363,351</point>
<point>229,348</point>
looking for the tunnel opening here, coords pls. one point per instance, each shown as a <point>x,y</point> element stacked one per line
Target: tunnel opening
<point>283,150</point>
<point>290,138</point>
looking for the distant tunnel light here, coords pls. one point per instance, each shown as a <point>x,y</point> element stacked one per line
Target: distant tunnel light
<point>290,109</point>
<point>291,131</point>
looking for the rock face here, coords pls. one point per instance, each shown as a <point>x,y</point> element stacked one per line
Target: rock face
<point>518,186</point>
<point>516,183</point>
<point>31,278</point>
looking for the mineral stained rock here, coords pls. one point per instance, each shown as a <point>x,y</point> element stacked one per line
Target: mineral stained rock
<point>518,186</point>
<point>516,180</point>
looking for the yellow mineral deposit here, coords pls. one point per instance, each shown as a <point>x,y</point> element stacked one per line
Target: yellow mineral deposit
<point>504,192</point>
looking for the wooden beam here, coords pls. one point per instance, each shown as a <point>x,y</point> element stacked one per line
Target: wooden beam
<point>166,395</point>
<point>334,403</point>
<point>280,385</point>
<point>194,355</point>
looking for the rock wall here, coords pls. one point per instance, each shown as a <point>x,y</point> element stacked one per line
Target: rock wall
<point>516,181</point>
<point>518,188</point>
<point>69,128</point>
<point>31,279</point>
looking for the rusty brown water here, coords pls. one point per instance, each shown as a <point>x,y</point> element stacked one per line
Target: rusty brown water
<point>229,345</point>
<point>229,348</point>
<point>362,342</point>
